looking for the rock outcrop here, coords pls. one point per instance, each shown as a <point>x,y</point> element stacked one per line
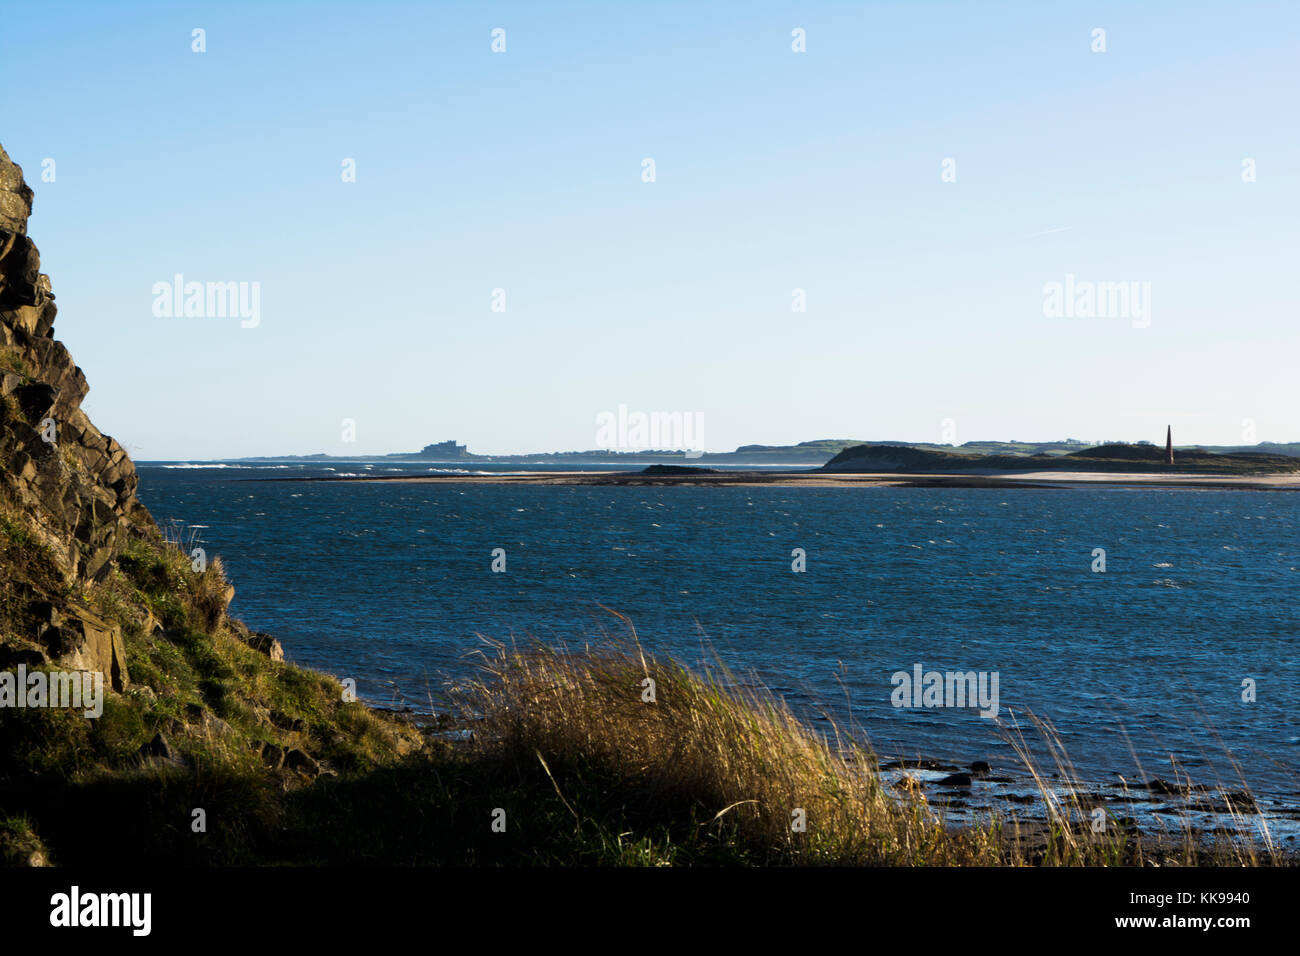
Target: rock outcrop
<point>79,483</point>
<point>69,487</point>
<point>90,583</point>
<point>15,197</point>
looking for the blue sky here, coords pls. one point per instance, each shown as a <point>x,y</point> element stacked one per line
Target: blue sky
<point>775,171</point>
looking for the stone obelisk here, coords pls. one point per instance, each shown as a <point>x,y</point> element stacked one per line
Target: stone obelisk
<point>1169,444</point>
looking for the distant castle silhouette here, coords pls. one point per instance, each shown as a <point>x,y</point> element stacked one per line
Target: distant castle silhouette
<point>448,448</point>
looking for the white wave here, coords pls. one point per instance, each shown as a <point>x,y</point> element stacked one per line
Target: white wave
<point>222,464</point>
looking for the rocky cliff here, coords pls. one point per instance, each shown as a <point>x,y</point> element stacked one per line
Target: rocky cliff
<point>64,485</point>
<point>80,481</point>
<point>90,583</point>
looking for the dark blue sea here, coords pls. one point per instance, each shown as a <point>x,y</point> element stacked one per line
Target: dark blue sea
<point>391,584</point>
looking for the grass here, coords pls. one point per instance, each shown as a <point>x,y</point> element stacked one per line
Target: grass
<point>716,769</point>
<point>1071,805</point>
<point>580,767</point>
<point>11,360</point>
<point>219,703</point>
<point>19,844</point>
<point>24,560</point>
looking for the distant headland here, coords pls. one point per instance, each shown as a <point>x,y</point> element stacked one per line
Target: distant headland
<point>1129,458</point>
<point>912,466</point>
<point>1015,455</point>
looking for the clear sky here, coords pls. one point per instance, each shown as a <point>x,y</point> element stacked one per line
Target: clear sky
<point>774,171</point>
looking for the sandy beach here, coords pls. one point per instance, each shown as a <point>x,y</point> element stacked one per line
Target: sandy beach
<point>981,479</point>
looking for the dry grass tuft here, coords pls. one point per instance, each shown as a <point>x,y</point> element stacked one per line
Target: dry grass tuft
<point>729,756</point>
<point>738,764</point>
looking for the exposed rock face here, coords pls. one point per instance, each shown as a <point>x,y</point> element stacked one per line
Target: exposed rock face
<point>74,487</point>
<point>15,197</point>
<point>79,483</point>
<point>80,640</point>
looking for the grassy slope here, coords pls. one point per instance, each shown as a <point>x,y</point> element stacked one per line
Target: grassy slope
<point>80,785</point>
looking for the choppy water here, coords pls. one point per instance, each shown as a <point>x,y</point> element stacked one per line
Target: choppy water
<point>391,583</point>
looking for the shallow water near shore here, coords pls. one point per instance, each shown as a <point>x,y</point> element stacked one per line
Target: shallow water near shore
<point>392,584</point>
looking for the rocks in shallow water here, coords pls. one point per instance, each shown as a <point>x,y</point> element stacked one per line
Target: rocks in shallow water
<point>1017,797</point>
<point>1157,785</point>
<point>917,765</point>
<point>980,768</point>
<point>955,780</point>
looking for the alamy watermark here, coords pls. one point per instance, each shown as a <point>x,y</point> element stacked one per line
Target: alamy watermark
<point>640,431</point>
<point>1085,299</point>
<point>127,910</point>
<point>78,690</point>
<point>208,300</point>
<point>922,688</point>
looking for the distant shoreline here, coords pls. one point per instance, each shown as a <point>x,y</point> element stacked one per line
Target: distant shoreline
<point>804,479</point>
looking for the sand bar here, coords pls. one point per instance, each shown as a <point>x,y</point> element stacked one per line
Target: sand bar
<point>815,479</point>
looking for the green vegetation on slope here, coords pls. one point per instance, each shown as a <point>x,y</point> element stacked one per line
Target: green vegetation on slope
<point>238,730</point>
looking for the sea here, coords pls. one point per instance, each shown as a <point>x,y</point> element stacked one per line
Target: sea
<point>1156,631</point>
